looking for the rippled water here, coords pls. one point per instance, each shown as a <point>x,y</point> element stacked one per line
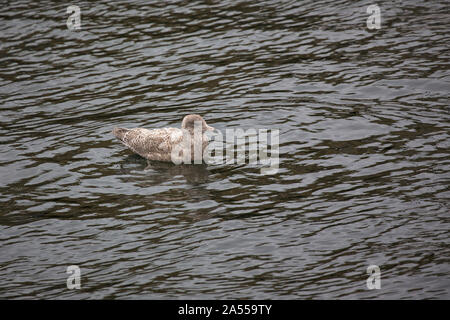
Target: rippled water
<point>364,149</point>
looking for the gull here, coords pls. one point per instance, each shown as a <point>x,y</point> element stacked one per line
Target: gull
<point>168,144</point>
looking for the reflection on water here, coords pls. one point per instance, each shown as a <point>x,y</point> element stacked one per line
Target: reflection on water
<point>364,150</point>
<point>154,172</point>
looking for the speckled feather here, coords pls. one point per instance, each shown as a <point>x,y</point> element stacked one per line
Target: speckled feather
<point>153,144</point>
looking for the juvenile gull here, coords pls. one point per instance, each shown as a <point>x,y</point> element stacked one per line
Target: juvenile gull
<point>167,144</point>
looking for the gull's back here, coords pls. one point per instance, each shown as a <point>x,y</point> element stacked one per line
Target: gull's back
<point>156,144</point>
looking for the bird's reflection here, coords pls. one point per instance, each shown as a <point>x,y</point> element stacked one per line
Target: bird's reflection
<point>144,173</point>
<point>193,173</point>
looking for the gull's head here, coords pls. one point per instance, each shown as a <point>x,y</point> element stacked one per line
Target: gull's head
<point>191,120</point>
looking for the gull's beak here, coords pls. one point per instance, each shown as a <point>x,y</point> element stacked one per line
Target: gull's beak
<point>209,128</point>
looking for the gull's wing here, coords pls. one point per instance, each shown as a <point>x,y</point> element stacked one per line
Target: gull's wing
<point>153,144</point>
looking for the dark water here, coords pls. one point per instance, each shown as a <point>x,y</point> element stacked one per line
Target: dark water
<point>364,150</point>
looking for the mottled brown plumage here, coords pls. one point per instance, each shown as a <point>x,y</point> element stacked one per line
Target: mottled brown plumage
<point>167,144</point>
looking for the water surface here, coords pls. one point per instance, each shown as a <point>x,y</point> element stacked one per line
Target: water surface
<point>364,150</point>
